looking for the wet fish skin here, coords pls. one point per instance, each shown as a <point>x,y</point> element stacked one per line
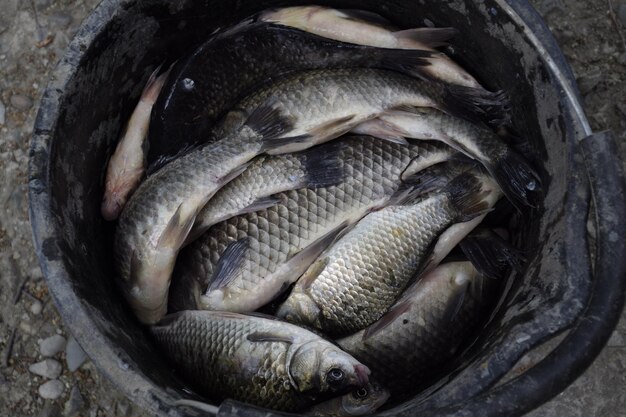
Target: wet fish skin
<point>266,176</point>
<point>256,359</point>
<point>359,402</point>
<point>354,282</point>
<point>238,60</point>
<point>127,165</point>
<point>158,217</point>
<point>325,104</point>
<point>372,170</point>
<point>424,329</point>
<point>514,174</point>
<point>354,27</point>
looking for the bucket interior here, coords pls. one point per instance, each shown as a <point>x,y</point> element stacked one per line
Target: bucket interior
<point>102,77</point>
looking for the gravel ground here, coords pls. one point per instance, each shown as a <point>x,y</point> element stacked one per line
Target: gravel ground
<point>43,372</point>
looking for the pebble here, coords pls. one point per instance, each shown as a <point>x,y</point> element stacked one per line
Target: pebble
<point>36,307</point>
<point>75,403</point>
<point>51,390</point>
<point>43,3</point>
<point>2,113</point>
<point>59,20</point>
<point>74,355</point>
<point>48,368</point>
<point>52,345</point>
<point>122,409</point>
<point>21,102</point>
<point>50,409</point>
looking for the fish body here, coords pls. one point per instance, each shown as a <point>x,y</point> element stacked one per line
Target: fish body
<point>514,174</point>
<point>158,217</point>
<point>256,359</point>
<point>423,331</point>
<point>128,162</point>
<point>269,175</point>
<point>232,63</point>
<point>354,27</point>
<point>353,283</point>
<point>359,402</point>
<point>276,244</point>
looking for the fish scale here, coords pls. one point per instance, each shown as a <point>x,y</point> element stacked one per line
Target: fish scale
<point>372,169</point>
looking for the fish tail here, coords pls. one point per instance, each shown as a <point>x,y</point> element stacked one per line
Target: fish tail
<point>424,37</point>
<point>476,104</point>
<point>519,182</point>
<point>407,61</point>
<point>490,254</point>
<point>467,196</point>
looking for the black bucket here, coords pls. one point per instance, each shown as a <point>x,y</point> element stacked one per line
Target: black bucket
<point>504,43</point>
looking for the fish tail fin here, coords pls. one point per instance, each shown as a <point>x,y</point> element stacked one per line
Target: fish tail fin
<point>436,177</point>
<point>490,254</point>
<point>519,182</point>
<point>424,37</point>
<point>476,104</point>
<point>323,165</point>
<point>467,196</point>
<point>407,61</point>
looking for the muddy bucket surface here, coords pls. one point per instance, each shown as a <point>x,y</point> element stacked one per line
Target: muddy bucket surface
<point>571,287</point>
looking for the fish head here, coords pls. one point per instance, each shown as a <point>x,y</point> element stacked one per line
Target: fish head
<point>364,400</point>
<point>301,309</point>
<point>322,367</point>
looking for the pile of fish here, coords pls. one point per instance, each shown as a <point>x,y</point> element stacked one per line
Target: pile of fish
<point>287,201</point>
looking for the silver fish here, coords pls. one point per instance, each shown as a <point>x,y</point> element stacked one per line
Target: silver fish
<point>268,175</point>
<point>515,176</point>
<point>247,260</point>
<point>360,402</point>
<point>255,359</point>
<point>365,28</point>
<point>128,163</point>
<point>354,282</point>
<point>424,329</point>
<point>158,217</point>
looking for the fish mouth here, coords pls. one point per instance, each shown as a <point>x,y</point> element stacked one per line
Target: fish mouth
<point>362,373</point>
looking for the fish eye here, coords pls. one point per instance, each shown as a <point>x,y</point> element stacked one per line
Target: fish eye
<point>360,393</point>
<point>334,376</point>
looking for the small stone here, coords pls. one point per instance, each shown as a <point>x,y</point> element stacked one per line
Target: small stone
<point>2,113</point>
<point>122,409</point>
<point>48,368</point>
<point>21,102</point>
<point>59,20</point>
<point>74,355</point>
<point>621,13</point>
<point>52,345</point>
<point>36,307</point>
<point>50,409</point>
<point>75,403</point>
<point>26,328</point>
<point>42,4</point>
<point>51,390</point>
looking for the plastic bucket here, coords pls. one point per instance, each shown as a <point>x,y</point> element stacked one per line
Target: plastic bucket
<point>504,43</point>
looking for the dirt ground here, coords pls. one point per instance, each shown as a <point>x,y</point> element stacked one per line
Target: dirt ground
<point>591,34</point>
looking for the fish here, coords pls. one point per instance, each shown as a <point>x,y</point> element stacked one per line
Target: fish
<point>245,262</point>
<point>359,402</point>
<point>127,165</point>
<point>367,28</point>
<point>233,62</point>
<point>424,329</point>
<point>256,359</point>
<point>156,221</point>
<point>324,104</point>
<point>517,178</point>
<point>255,188</point>
<point>354,282</point>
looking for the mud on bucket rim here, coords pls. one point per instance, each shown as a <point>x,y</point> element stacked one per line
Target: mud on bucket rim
<point>588,312</point>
